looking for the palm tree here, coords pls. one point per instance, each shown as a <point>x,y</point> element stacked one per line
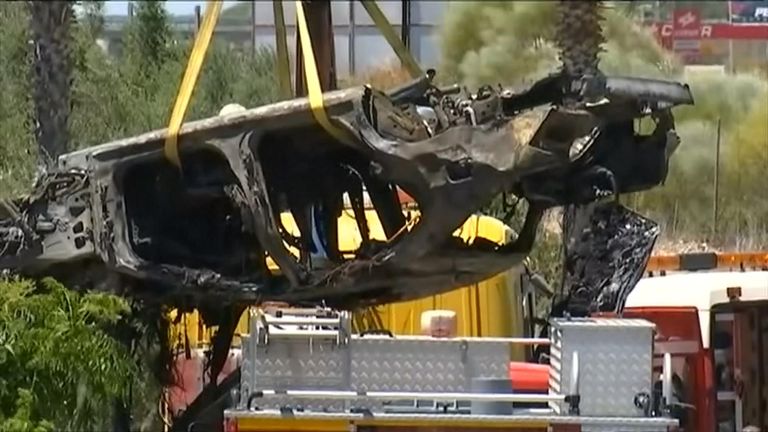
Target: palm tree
<point>579,36</point>
<point>50,24</point>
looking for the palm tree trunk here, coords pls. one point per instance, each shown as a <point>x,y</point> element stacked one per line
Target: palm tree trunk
<point>50,23</point>
<point>579,36</point>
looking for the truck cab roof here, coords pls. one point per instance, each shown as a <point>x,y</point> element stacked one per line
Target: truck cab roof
<point>702,290</point>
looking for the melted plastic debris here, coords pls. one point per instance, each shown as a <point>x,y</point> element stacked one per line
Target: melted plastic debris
<point>607,250</point>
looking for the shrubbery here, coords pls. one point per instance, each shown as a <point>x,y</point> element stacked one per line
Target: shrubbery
<point>113,98</point>
<point>512,42</point>
<point>60,367</point>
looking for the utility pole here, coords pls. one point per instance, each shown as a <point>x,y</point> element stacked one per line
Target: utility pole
<point>253,26</point>
<point>716,195</point>
<point>283,66</point>
<point>731,66</point>
<point>405,27</point>
<point>351,37</point>
<point>320,27</point>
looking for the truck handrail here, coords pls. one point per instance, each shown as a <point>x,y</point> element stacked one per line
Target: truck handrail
<point>573,399</point>
<point>323,324</point>
<point>417,396</point>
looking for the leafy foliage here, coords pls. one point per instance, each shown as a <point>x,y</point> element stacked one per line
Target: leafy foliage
<point>113,98</point>
<point>149,36</point>
<point>514,43</point>
<point>66,367</point>
<point>17,141</point>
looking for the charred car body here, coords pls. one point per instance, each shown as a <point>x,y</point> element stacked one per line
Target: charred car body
<point>122,209</point>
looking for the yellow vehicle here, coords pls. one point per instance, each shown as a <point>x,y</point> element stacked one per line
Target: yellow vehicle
<point>492,308</point>
<point>499,298</point>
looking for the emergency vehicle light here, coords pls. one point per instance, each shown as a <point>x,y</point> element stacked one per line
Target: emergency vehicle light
<point>708,261</point>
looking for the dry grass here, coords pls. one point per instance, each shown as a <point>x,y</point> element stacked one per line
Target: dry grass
<point>387,76</point>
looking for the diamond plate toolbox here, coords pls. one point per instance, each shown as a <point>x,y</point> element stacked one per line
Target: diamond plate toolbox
<point>419,364</point>
<point>294,365</point>
<point>369,363</point>
<point>615,363</point>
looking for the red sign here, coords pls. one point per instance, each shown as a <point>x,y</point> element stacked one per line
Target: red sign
<point>716,31</point>
<point>686,24</point>
<point>686,32</point>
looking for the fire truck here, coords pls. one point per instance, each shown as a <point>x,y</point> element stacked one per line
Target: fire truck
<point>710,313</point>
<point>711,316</point>
<point>305,370</point>
<point>689,353</point>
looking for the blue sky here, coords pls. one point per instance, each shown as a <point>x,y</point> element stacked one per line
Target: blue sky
<point>175,7</point>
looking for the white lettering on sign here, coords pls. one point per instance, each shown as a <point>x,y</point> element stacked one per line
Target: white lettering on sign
<point>686,45</point>
<point>666,30</point>
<point>686,19</point>
<point>688,33</point>
<point>687,24</point>
<point>761,12</point>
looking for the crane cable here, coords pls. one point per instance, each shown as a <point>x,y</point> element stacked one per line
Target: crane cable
<point>192,72</point>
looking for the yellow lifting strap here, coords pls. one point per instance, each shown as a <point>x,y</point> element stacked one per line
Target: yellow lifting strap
<point>194,64</point>
<point>314,90</point>
<point>405,56</point>
<point>283,65</point>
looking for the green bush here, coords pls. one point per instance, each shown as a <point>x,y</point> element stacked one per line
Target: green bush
<point>67,368</point>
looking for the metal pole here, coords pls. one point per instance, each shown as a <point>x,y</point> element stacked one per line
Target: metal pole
<point>253,26</point>
<point>405,24</point>
<point>731,65</point>
<point>351,65</point>
<point>320,27</point>
<point>716,194</point>
<point>283,63</point>
<point>429,396</point>
<point>198,18</point>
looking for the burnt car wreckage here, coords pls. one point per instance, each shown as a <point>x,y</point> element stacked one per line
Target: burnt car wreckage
<point>121,209</point>
<point>120,217</point>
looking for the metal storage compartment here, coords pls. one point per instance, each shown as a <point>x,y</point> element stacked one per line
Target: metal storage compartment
<point>615,363</point>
